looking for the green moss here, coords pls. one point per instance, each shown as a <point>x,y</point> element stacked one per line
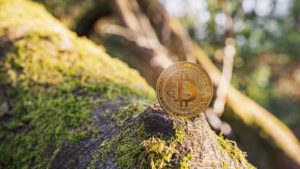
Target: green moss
<point>44,120</point>
<point>185,161</point>
<point>179,138</point>
<point>132,109</point>
<point>179,132</point>
<point>48,53</point>
<point>158,152</point>
<point>52,81</point>
<point>132,147</point>
<point>125,146</point>
<point>230,148</point>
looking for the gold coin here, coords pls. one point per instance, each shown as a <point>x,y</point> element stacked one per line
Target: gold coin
<point>184,89</point>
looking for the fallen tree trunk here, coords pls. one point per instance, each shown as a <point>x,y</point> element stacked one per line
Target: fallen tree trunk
<point>278,147</point>
<point>66,104</point>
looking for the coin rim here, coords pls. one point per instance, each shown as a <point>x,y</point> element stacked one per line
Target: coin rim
<point>189,115</point>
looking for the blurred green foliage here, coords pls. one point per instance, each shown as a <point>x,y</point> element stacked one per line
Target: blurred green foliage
<point>267,63</point>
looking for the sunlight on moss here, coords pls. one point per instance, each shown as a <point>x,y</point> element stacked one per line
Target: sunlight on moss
<point>159,153</point>
<point>49,53</point>
<point>52,81</point>
<point>230,149</point>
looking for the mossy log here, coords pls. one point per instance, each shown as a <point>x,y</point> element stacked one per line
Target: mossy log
<point>66,104</point>
<point>269,146</point>
<point>269,142</point>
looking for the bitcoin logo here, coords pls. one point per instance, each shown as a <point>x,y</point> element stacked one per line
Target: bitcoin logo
<point>180,90</point>
<point>184,89</point>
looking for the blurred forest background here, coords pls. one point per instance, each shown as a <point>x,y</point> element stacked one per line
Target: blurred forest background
<point>265,35</point>
<point>267,62</point>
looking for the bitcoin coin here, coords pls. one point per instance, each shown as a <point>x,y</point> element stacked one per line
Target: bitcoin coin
<point>184,89</point>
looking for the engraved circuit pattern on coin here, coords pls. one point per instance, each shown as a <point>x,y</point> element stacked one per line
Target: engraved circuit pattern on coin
<point>184,89</point>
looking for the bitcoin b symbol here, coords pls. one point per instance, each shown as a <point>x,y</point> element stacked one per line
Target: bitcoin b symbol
<point>186,90</point>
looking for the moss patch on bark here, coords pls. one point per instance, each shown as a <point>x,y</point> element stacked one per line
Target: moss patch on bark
<point>133,147</point>
<point>51,81</point>
<point>231,149</point>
